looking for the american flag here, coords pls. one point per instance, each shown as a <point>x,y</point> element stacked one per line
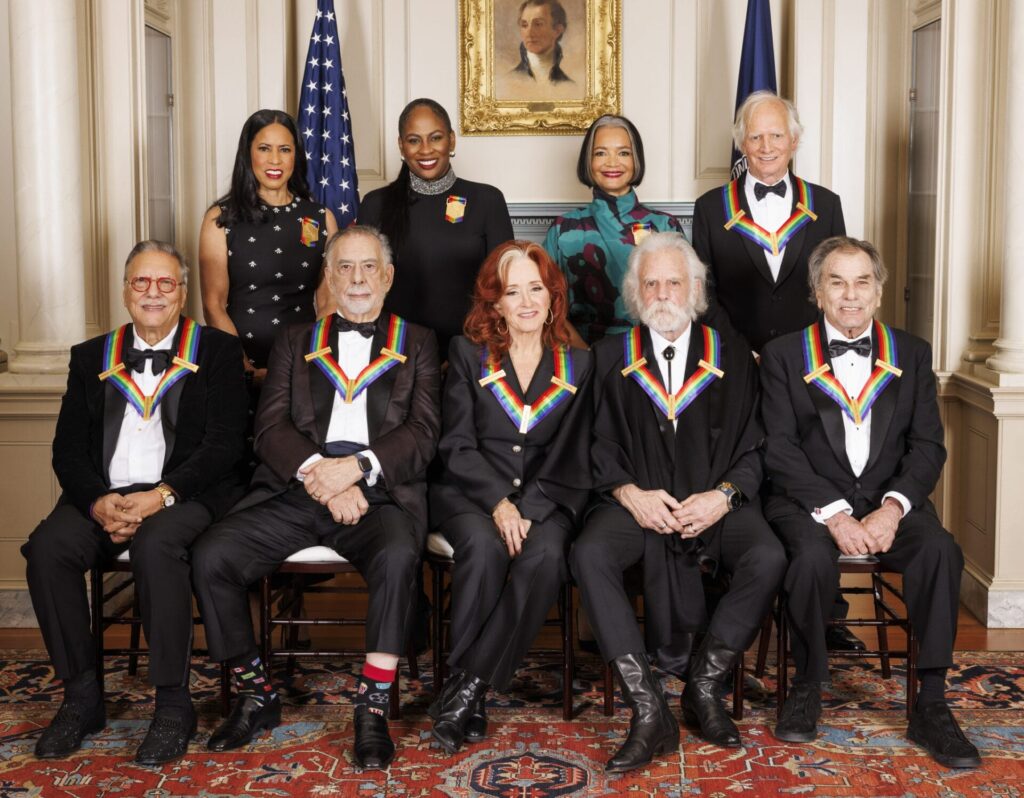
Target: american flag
<point>324,121</point>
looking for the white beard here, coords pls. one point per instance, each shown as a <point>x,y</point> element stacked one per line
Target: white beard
<point>665,316</point>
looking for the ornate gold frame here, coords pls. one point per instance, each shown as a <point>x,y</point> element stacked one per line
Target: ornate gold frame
<point>482,114</point>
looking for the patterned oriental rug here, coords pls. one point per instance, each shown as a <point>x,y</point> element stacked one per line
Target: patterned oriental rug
<point>531,752</point>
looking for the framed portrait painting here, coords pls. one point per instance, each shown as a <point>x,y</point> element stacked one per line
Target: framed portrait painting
<point>538,66</point>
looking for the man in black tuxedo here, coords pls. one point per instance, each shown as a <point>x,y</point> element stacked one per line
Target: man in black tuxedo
<point>852,476</point>
<point>758,280</point>
<point>344,463</point>
<point>677,472</point>
<point>149,440</point>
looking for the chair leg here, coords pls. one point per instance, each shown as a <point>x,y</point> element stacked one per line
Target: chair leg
<point>96,579</point>
<point>782,657</point>
<point>225,690</point>
<point>133,658</point>
<point>911,668</point>
<point>437,589</point>
<point>394,710</point>
<point>883,631</point>
<point>763,645</point>
<point>414,664</point>
<point>265,642</point>
<point>737,689</point>
<point>609,690</point>
<point>291,632</point>
<point>568,663</point>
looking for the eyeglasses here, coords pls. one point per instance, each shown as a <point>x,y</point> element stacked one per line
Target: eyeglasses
<point>165,285</point>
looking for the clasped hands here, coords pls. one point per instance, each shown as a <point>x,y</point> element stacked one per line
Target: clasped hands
<point>512,527</point>
<point>333,482</point>
<point>661,512</point>
<point>872,534</point>
<point>120,516</point>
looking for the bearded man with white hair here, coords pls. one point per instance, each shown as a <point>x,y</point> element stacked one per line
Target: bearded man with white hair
<point>676,474</point>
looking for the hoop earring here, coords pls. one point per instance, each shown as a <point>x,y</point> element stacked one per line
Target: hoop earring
<point>498,325</point>
<point>551,318</point>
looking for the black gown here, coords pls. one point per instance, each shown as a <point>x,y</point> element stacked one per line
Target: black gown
<point>273,271</point>
<point>437,263</point>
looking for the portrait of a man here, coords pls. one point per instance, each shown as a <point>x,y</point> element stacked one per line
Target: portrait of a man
<point>546,47</point>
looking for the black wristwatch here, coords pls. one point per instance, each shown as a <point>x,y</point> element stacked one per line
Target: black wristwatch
<point>732,494</point>
<point>365,465</point>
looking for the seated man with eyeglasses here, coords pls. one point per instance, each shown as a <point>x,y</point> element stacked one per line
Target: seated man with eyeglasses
<point>148,446</point>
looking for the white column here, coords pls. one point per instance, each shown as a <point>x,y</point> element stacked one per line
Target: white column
<point>47,183</point>
<point>1009,356</point>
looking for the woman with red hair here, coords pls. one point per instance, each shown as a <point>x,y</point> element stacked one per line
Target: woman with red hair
<point>515,450</point>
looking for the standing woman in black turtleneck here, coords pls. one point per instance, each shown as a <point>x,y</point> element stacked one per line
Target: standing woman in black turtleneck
<point>440,226</point>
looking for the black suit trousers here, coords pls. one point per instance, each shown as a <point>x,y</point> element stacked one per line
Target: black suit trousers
<point>925,553</point>
<point>251,543</point>
<point>67,544</point>
<point>612,541</point>
<point>499,602</point>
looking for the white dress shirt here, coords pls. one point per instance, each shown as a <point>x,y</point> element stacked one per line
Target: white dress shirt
<point>682,347</point>
<point>852,371</point>
<point>348,420</point>
<point>771,213</point>
<point>139,454</point>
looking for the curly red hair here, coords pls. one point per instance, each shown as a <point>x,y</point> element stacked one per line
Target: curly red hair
<point>481,325</point>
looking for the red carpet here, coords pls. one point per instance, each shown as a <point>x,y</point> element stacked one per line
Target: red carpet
<point>531,753</point>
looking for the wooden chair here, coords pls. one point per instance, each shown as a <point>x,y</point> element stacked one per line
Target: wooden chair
<point>126,613</point>
<point>885,618</point>
<point>312,560</point>
<point>440,556</point>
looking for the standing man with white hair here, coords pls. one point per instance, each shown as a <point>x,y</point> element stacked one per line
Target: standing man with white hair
<point>677,472</point>
<point>756,232</point>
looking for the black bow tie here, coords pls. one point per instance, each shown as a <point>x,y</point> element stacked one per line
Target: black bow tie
<point>135,359</point>
<point>364,328</point>
<point>761,190</point>
<point>862,346</point>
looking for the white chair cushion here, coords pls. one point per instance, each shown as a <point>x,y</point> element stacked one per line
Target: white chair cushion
<point>317,554</point>
<point>123,556</point>
<point>439,545</point>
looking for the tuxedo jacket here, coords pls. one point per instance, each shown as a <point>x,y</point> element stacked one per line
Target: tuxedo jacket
<point>403,417</point>
<point>741,288</point>
<point>805,447</point>
<point>203,417</point>
<point>487,459</point>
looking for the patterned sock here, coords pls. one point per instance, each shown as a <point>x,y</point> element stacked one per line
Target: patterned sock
<point>374,689</point>
<point>250,677</point>
<point>933,686</point>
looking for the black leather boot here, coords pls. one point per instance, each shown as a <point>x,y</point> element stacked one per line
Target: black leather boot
<point>453,708</point>
<point>702,706</point>
<point>476,725</point>
<point>652,729</point>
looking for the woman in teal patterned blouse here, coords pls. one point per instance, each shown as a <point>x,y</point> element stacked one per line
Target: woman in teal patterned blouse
<point>591,244</point>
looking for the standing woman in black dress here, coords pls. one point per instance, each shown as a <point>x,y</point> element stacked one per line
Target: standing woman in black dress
<point>440,226</point>
<point>261,245</point>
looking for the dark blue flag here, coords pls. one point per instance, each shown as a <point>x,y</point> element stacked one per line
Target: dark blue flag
<point>757,64</point>
<point>324,122</point>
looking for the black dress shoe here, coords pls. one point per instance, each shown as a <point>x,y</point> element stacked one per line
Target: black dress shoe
<point>476,725</point>
<point>800,713</point>
<point>167,738</point>
<point>702,706</point>
<point>652,728</point>
<point>248,716</point>
<point>456,707</point>
<point>839,638</point>
<point>74,720</point>
<point>373,748</point>
<point>934,728</point>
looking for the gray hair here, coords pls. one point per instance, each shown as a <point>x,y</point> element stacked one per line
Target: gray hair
<point>827,248</point>
<point>361,230</point>
<point>695,268</point>
<point>751,104</point>
<point>151,245</point>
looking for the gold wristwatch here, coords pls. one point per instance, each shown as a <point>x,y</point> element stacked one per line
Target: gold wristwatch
<point>732,494</point>
<point>166,495</point>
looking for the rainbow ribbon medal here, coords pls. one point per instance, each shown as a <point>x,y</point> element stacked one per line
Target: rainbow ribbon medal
<point>181,364</point>
<point>708,369</point>
<point>775,242</point>
<point>819,372</point>
<point>391,354</point>
<point>525,416</point>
